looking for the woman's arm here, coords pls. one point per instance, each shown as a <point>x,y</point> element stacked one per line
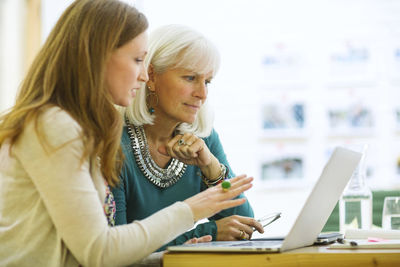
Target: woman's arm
<point>207,228</point>
<point>70,196</point>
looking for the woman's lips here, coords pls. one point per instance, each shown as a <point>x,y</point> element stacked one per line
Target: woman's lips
<point>193,107</point>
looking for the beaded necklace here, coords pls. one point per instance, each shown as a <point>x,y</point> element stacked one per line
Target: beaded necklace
<point>160,177</point>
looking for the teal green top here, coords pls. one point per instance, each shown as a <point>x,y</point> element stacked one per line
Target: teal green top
<point>137,198</point>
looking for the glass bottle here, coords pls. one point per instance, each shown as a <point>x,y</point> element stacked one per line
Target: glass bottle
<point>355,204</point>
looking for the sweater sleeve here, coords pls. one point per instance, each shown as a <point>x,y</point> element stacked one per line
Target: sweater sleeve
<point>208,228</point>
<point>67,190</point>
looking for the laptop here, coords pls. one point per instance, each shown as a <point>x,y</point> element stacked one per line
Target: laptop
<point>311,219</point>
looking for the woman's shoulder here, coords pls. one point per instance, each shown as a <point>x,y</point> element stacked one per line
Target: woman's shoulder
<point>57,116</point>
<point>56,124</point>
<point>213,137</point>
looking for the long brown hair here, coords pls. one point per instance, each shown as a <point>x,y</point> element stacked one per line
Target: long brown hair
<point>68,72</point>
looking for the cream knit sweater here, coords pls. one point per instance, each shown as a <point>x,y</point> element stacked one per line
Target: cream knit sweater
<point>51,208</point>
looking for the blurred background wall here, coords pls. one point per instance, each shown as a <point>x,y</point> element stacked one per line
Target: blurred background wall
<point>297,79</point>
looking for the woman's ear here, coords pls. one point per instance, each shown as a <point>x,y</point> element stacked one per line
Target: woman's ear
<point>150,83</point>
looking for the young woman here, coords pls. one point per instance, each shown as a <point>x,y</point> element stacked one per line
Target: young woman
<point>171,149</point>
<point>60,149</point>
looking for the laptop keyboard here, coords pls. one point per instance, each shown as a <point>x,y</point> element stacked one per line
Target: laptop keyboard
<point>253,243</point>
<point>258,243</point>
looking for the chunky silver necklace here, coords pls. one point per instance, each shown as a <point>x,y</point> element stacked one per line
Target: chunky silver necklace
<point>160,177</point>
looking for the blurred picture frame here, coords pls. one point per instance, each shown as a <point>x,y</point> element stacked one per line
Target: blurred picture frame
<point>283,168</point>
<point>290,116</point>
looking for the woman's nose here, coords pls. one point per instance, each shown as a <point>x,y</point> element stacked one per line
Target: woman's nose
<point>201,91</point>
<point>143,76</point>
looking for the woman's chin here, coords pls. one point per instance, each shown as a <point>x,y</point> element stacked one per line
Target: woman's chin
<point>124,102</point>
<point>189,120</point>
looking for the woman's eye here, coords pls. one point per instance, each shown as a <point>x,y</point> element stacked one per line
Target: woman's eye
<point>138,60</point>
<point>190,78</point>
<point>208,82</point>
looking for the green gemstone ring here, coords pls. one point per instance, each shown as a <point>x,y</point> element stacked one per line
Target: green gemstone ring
<point>226,185</point>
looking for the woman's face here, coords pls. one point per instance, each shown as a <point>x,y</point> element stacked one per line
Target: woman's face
<point>125,71</point>
<point>181,93</point>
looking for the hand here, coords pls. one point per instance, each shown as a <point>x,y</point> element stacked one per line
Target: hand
<point>193,150</point>
<point>202,239</point>
<point>229,228</point>
<point>214,199</point>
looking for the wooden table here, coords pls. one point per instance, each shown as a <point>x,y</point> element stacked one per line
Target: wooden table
<point>309,256</point>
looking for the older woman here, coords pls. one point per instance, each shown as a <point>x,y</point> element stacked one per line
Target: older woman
<point>171,149</point>
<point>60,147</point>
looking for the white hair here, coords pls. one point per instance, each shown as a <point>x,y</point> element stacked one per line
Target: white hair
<point>177,46</point>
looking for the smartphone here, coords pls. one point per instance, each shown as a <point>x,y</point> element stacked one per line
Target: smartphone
<point>322,239</point>
<point>327,238</point>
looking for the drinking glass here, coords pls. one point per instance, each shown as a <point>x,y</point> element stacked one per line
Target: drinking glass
<point>391,213</point>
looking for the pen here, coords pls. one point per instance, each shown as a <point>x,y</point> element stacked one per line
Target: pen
<point>270,218</point>
<point>344,241</point>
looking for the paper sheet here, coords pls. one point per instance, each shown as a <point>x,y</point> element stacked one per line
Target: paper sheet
<point>364,234</point>
<point>364,244</point>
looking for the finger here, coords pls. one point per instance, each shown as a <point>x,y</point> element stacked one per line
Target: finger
<point>174,151</point>
<point>237,188</point>
<point>171,143</point>
<point>250,235</point>
<point>251,223</point>
<point>190,139</point>
<point>191,241</point>
<point>248,230</point>
<point>187,150</point>
<point>237,179</point>
<point>232,193</point>
<point>258,226</point>
<point>196,147</point>
<point>245,224</point>
<point>241,234</point>
<point>231,203</point>
<point>194,240</point>
<point>179,154</point>
<point>183,140</point>
<point>192,147</point>
<point>181,147</point>
<point>239,183</point>
<point>204,238</point>
<point>179,151</point>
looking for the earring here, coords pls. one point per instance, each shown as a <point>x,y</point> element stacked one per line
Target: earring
<point>148,96</point>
